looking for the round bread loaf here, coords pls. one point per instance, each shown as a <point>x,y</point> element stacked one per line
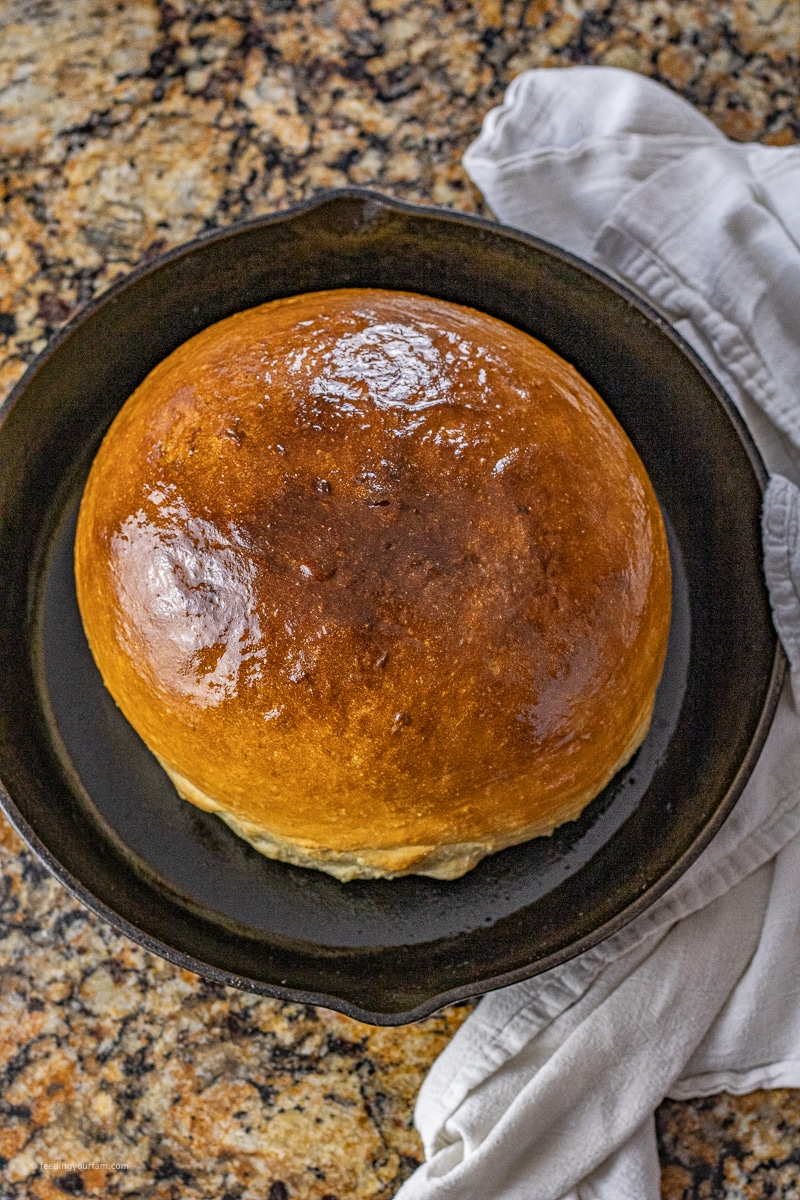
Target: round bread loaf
<point>378,578</point>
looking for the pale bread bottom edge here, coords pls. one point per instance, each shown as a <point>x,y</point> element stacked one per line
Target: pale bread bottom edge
<point>446,861</point>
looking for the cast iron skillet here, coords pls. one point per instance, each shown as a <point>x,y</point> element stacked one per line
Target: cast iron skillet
<point>96,808</point>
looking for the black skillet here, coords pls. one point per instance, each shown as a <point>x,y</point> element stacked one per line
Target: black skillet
<point>96,808</point>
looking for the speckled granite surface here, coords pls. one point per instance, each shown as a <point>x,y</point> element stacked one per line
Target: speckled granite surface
<point>126,128</point>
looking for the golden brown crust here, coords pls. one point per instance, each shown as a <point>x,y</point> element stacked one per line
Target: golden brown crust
<point>376,572</point>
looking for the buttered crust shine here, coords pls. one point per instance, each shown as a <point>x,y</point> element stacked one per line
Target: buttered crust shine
<point>378,578</point>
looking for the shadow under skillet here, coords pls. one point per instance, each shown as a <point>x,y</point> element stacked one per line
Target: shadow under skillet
<point>195,856</point>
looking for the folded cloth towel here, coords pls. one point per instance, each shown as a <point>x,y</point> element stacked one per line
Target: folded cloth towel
<point>548,1090</point>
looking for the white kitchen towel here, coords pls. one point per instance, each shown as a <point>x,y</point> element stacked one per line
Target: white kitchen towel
<point>548,1090</point>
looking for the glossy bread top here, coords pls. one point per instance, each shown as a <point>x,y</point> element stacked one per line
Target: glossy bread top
<point>375,570</point>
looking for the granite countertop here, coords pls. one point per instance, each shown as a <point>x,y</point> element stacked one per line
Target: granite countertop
<point>126,128</point>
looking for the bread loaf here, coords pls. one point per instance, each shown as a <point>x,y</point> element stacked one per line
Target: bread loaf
<point>379,579</point>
